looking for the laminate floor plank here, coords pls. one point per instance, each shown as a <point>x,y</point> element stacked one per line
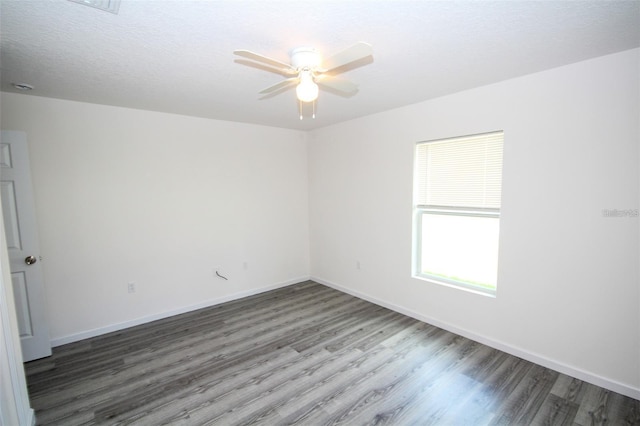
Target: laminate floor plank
<point>213,402</point>
<point>215,385</point>
<point>556,411</point>
<point>343,380</point>
<point>291,392</point>
<point>310,401</point>
<point>267,394</point>
<point>174,384</point>
<point>365,330</point>
<point>527,397</point>
<point>603,407</point>
<point>429,391</point>
<point>305,354</point>
<point>284,338</point>
<point>373,385</point>
<point>333,398</point>
<point>330,332</point>
<point>504,380</point>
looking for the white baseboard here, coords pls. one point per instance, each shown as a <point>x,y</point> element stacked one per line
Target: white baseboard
<point>138,321</point>
<point>585,376</point>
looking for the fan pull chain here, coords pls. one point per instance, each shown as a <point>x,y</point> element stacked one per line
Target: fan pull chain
<point>313,105</point>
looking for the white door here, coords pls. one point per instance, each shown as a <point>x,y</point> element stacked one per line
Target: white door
<point>22,245</point>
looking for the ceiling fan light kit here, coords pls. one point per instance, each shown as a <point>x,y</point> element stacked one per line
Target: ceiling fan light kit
<point>307,90</point>
<point>307,73</point>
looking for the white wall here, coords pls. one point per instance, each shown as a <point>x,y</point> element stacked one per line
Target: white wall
<point>568,286</point>
<point>126,195</point>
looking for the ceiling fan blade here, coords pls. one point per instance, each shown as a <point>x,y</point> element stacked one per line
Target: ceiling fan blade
<point>339,86</point>
<point>283,84</point>
<point>350,54</point>
<point>264,67</point>
<point>265,60</point>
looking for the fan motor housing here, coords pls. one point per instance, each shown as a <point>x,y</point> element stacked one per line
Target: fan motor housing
<point>305,57</point>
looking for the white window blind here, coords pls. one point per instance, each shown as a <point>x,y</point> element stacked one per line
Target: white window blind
<point>460,172</point>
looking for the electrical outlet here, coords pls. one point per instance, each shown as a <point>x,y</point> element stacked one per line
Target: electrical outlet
<point>131,287</point>
<point>357,264</point>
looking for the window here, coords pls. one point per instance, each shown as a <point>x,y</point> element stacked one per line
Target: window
<point>457,193</point>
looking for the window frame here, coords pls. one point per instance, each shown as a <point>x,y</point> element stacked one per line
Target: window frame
<point>420,210</point>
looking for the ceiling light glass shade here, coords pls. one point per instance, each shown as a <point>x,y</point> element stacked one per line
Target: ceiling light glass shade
<point>307,90</point>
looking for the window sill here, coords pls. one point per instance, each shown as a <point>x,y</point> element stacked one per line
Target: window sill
<point>461,286</point>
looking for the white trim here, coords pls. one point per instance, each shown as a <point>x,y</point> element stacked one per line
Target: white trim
<point>18,403</point>
<point>31,417</point>
<point>138,321</point>
<point>578,373</point>
<point>456,285</point>
<point>14,404</point>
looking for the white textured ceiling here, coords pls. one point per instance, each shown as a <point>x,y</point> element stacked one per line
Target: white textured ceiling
<point>176,56</point>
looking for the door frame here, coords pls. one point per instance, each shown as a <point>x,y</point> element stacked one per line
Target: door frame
<point>14,405</point>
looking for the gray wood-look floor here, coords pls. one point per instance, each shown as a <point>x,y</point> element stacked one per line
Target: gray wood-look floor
<point>306,354</point>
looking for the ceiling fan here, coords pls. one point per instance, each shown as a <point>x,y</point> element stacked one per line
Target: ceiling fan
<point>308,70</point>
